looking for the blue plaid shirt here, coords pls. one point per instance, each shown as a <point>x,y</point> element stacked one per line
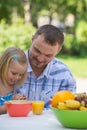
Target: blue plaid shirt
<point>55,77</point>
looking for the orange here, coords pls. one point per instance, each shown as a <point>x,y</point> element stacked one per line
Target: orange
<point>61,96</point>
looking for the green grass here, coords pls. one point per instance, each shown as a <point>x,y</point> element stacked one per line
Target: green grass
<point>77,65</point>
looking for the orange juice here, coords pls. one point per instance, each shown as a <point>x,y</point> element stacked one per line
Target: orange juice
<point>37,107</point>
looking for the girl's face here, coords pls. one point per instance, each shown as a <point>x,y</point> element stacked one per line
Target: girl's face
<point>15,72</point>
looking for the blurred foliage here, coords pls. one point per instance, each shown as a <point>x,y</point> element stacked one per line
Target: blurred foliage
<point>18,35</point>
<point>14,31</point>
<point>77,45</point>
<point>7,8</point>
<point>59,7</point>
<point>81,31</point>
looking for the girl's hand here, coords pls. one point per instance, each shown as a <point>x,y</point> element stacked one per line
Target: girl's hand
<point>2,109</point>
<point>19,97</point>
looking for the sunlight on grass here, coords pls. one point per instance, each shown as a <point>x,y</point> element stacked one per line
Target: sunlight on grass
<point>78,66</point>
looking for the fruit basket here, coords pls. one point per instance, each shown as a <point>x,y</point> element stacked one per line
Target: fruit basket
<point>70,109</point>
<point>71,118</point>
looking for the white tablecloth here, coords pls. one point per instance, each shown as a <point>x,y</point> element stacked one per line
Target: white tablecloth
<point>45,121</point>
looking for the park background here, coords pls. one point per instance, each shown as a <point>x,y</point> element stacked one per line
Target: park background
<point>19,19</point>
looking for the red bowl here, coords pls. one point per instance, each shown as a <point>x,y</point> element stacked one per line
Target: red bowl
<point>18,108</point>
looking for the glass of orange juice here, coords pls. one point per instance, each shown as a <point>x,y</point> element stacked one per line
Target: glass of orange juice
<point>37,107</point>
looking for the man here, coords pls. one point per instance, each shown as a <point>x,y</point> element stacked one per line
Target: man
<point>46,74</point>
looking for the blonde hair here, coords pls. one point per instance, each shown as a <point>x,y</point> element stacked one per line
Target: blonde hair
<point>12,53</point>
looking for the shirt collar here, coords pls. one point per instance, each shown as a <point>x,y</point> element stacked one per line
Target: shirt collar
<point>29,66</point>
<point>47,69</point>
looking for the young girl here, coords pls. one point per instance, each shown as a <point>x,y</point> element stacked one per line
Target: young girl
<point>13,72</point>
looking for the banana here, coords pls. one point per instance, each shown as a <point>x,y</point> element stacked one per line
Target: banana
<point>62,106</point>
<point>82,108</point>
<point>72,104</point>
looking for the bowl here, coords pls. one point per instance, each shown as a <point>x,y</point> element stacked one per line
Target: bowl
<point>71,118</point>
<point>18,108</point>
